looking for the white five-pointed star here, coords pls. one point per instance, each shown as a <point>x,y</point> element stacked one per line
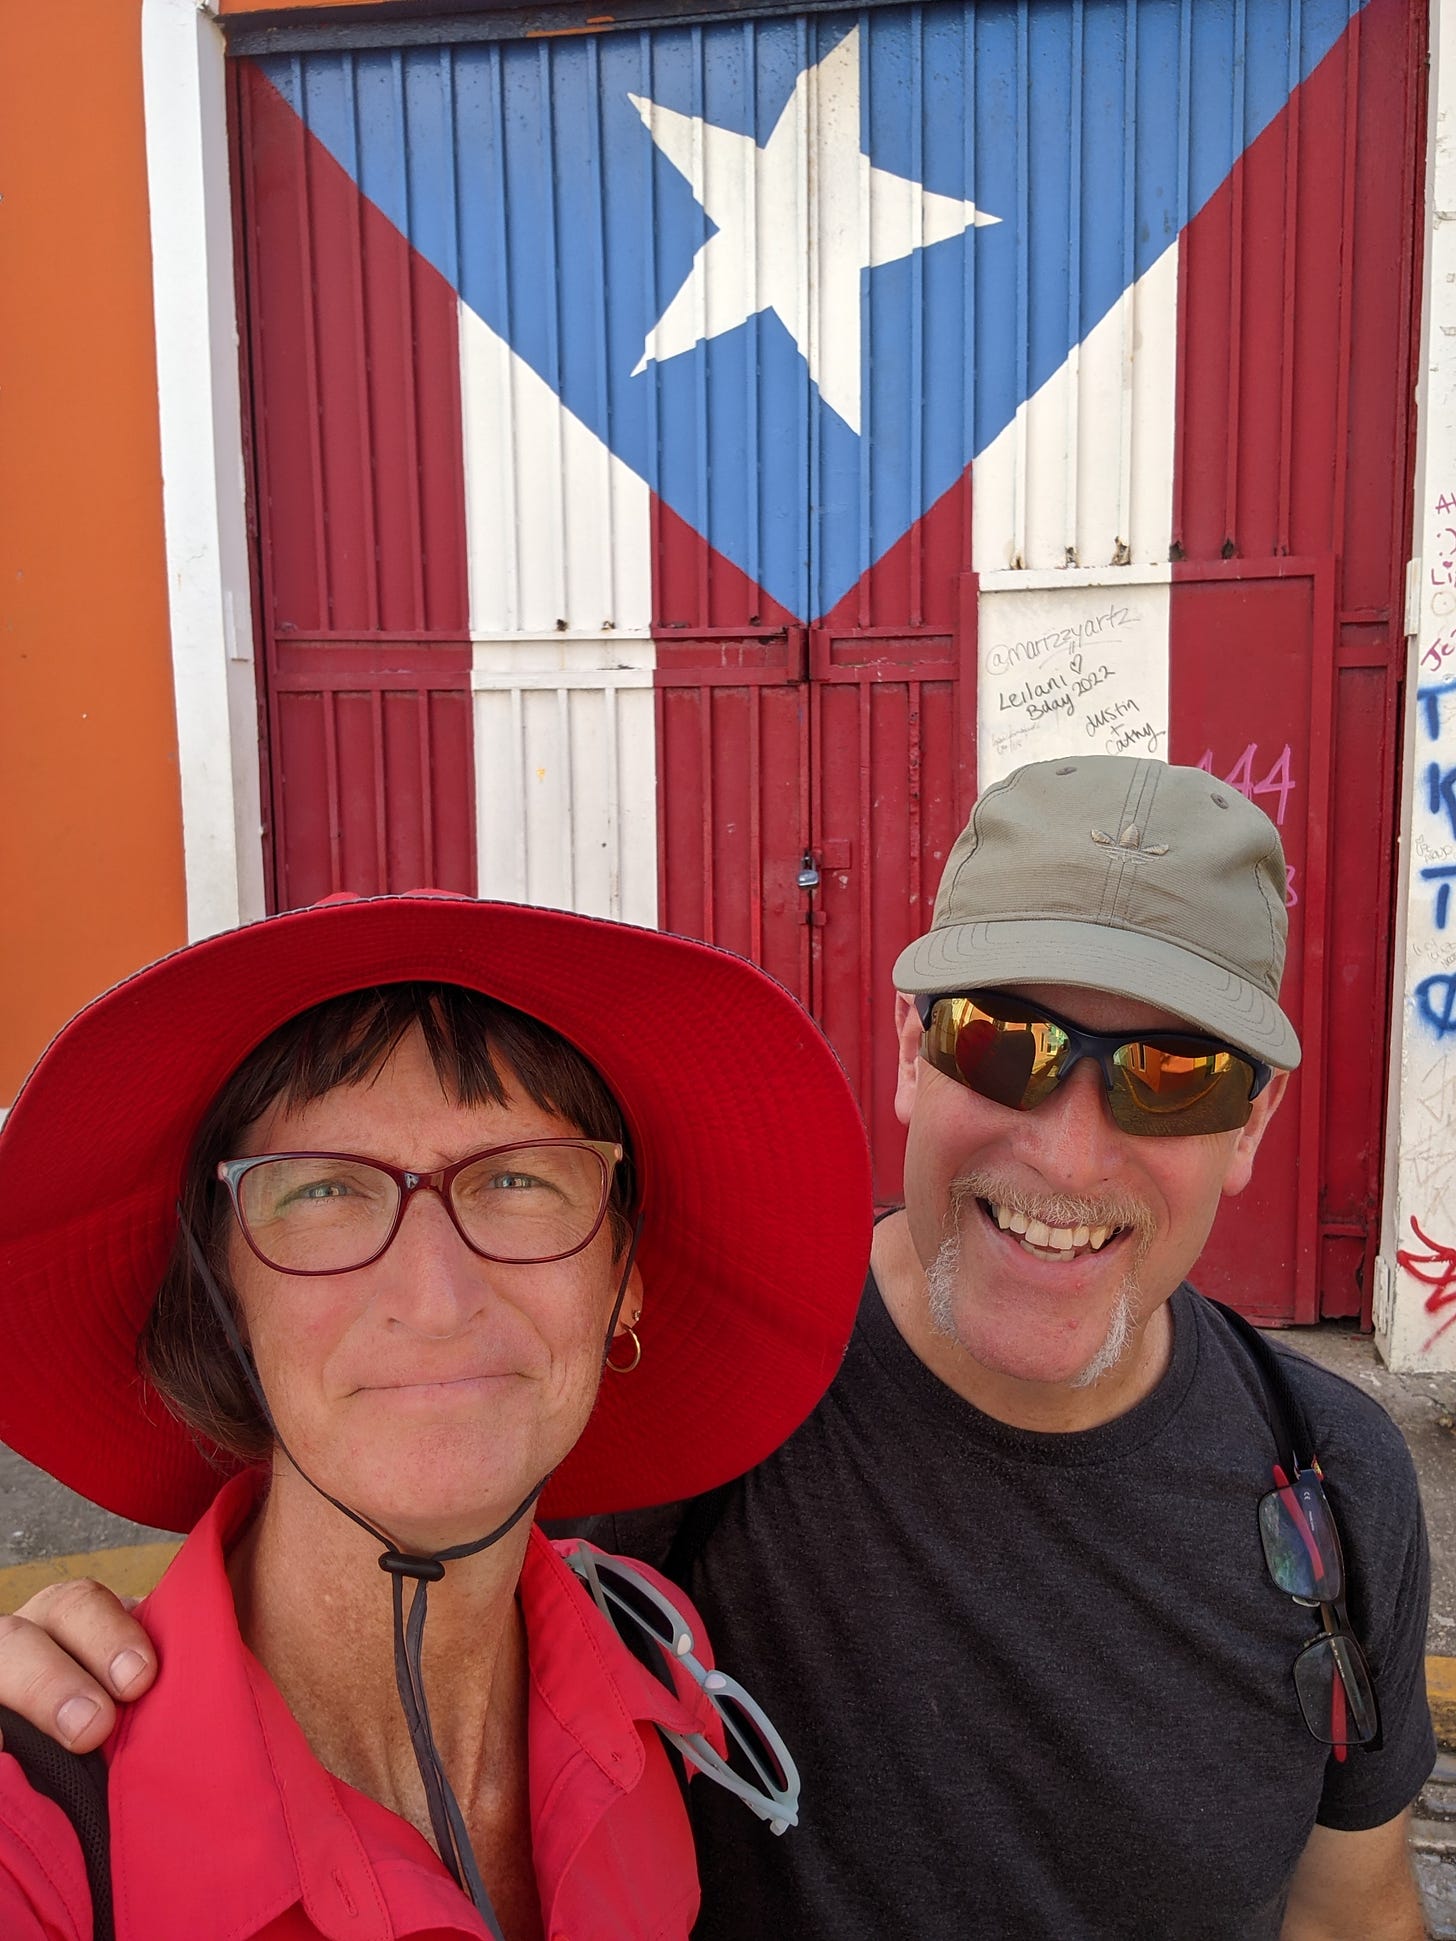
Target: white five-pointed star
<point>797,222</point>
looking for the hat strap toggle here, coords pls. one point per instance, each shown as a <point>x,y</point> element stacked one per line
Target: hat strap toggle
<point>452,1839</point>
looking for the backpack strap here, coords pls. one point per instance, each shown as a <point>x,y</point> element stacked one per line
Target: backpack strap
<point>76,1782</point>
<point>1286,1415</point>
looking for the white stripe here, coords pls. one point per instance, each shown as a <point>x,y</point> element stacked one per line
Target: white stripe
<point>1065,477</point>
<point>558,544</point>
<point>557,529</point>
<point>1072,511</point>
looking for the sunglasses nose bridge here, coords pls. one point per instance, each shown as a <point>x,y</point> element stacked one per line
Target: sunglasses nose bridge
<point>1075,1051</point>
<point>1079,1047</point>
<point>1069,1137</point>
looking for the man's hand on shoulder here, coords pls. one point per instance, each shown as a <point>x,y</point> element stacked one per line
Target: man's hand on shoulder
<point>67,1655</point>
<point>1355,1887</point>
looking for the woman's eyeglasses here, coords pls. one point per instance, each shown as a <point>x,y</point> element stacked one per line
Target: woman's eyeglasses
<point>1302,1550</point>
<point>1160,1084</point>
<point>330,1212</point>
<point>759,1769</point>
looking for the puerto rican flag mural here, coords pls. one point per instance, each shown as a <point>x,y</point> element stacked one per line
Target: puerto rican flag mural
<point>761,427</point>
<point>748,312</point>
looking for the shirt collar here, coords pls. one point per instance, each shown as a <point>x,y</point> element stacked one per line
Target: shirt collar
<point>271,1822</point>
<point>589,1680</point>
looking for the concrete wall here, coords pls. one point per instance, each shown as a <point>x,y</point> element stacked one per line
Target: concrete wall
<point>1415,1314</point>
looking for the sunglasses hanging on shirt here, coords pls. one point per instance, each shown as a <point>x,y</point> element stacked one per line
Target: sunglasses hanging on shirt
<point>1305,1559</point>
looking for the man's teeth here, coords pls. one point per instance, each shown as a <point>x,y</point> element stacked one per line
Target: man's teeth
<point>1061,1241</point>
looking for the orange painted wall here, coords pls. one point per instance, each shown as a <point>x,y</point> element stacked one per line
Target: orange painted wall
<point>91,879</point>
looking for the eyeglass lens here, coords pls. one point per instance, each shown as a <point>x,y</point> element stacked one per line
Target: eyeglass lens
<point>1303,1554</point>
<point>644,1611</point>
<point>1017,1057</point>
<point>1335,1692</point>
<point>1301,1544</point>
<point>320,1213</point>
<point>751,1753</point>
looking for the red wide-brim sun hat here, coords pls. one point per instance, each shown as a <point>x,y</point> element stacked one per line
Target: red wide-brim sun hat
<point>750,1154</point>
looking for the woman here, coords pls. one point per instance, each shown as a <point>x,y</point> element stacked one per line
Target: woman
<point>322,1231</point>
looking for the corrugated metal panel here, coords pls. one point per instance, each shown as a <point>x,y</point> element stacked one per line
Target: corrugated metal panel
<point>556,527</point>
<point>733,755</point>
<point>567,810</point>
<point>1252,680</point>
<point>373,765</point>
<point>355,381</point>
<point>730,325</point>
<point>357,385</point>
<point>891,791</point>
<point>567,189</point>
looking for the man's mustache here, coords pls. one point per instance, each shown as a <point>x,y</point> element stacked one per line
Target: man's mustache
<point>1053,1209</point>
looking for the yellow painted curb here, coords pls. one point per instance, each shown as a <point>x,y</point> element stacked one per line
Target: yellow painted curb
<point>132,1571</point>
<point>1441,1691</point>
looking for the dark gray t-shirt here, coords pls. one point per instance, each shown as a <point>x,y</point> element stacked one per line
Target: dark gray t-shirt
<point>1040,1685</point>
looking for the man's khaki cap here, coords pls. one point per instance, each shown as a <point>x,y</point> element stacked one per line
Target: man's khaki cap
<point>1153,882</point>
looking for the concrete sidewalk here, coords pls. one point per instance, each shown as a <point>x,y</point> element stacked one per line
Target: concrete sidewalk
<point>1433,1849</point>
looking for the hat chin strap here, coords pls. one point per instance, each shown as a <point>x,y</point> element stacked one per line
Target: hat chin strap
<point>452,1840</point>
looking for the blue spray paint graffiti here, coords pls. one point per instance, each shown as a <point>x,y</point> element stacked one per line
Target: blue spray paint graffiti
<point>1430,699</point>
<point>1435,996</point>
<point>1436,1003</point>
<point>1441,792</point>
<point>1437,873</point>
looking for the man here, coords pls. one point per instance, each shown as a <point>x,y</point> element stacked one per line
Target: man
<point>1004,1592</point>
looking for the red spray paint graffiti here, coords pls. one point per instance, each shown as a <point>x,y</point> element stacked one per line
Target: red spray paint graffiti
<point>1436,1270</point>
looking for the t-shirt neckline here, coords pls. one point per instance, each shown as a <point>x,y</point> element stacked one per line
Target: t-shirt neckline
<point>939,1410</point>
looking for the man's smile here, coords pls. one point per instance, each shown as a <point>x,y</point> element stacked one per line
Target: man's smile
<point>1048,1242</point>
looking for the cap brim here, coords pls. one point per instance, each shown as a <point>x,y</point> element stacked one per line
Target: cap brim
<point>751,1283</point>
<point>1092,956</point>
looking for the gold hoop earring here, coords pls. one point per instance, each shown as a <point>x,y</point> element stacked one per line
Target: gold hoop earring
<point>626,1367</point>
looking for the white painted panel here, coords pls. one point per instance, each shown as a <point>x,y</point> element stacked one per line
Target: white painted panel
<point>566,792</point>
<point>558,531</point>
<point>1083,475</point>
<point>1071,663</point>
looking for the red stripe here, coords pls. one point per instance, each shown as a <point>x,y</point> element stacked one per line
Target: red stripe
<point>357,364</point>
<point>355,369</point>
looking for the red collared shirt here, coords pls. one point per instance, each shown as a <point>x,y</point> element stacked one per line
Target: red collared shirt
<point>223,1824</point>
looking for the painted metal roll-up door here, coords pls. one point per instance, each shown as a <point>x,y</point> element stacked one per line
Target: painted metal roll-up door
<point>687,455</point>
